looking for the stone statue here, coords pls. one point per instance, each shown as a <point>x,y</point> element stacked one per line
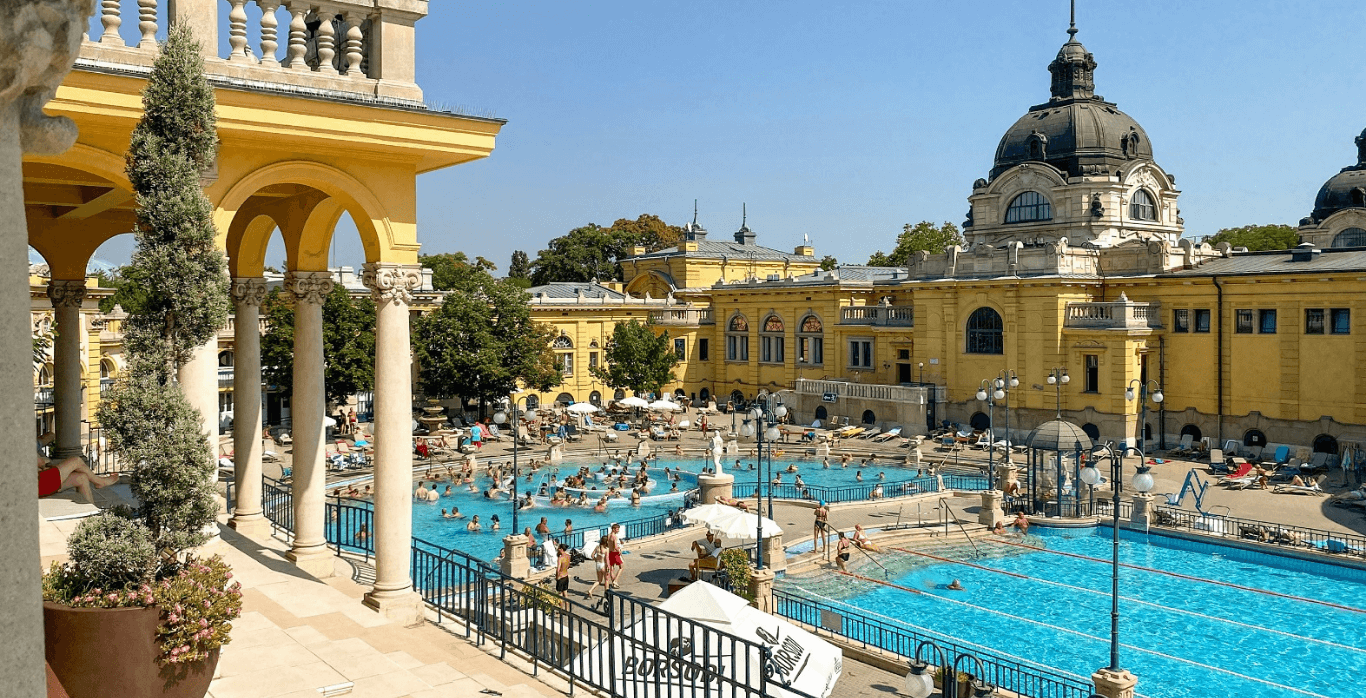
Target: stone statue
<point>39,40</point>
<point>716,450</point>
<point>1097,208</point>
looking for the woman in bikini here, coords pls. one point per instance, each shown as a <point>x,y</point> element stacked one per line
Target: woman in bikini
<point>842,552</point>
<point>599,565</point>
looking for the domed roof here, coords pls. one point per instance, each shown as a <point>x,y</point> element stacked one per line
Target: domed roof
<point>1058,435</point>
<point>1076,131</point>
<point>1346,189</point>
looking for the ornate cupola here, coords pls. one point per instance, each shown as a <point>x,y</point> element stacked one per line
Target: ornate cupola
<point>1074,70</point>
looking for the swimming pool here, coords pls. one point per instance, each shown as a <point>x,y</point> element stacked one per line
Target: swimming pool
<point>1197,619</point>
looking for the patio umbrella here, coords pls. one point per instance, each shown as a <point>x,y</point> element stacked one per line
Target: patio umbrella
<point>583,408</point>
<point>738,526</point>
<point>664,406</point>
<point>633,401</point>
<point>701,514</point>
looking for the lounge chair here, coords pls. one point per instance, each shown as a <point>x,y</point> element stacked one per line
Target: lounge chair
<point>1184,448</point>
<point>870,433</point>
<point>1333,545</point>
<point>1254,452</point>
<point>1242,471</point>
<point>1282,455</point>
<point>1314,487</point>
<point>1216,457</point>
<point>889,434</point>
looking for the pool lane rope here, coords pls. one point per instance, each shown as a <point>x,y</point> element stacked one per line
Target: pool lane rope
<point>1138,601</point>
<point>1186,577</point>
<point>1078,633</point>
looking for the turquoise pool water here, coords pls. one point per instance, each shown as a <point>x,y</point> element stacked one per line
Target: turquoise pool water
<point>1197,619</point>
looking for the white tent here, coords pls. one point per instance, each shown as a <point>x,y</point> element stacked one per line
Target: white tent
<point>733,525</point>
<point>797,658</point>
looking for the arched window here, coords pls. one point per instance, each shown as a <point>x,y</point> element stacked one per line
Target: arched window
<point>106,369</point>
<point>821,413</point>
<point>811,342</point>
<point>869,417</point>
<point>595,398</point>
<point>1192,431</point>
<point>1141,206</point>
<point>704,395</point>
<point>225,358</point>
<point>619,394</point>
<point>737,399</point>
<point>562,342</point>
<point>1091,430</point>
<point>1029,206</point>
<point>45,376</point>
<point>1325,443</point>
<point>1254,437</point>
<point>979,421</point>
<point>985,332</point>
<point>772,343</point>
<point>532,402</point>
<point>1351,237</point>
<point>564,399</point>
<point>737,339</point>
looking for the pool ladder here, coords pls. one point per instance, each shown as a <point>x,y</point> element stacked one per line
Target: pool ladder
<point>946,513</point>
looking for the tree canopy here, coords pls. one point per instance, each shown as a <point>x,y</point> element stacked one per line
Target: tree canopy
<point>519,269</point>
<point>129,293</point>
<point>1258,237</point>
<point>348,344</point>
<point>449,268</point>
<point>482,341</point>
<point>637,359</point>
<point>828,262</point>
<point>924,236</point>
<point>594,252</point>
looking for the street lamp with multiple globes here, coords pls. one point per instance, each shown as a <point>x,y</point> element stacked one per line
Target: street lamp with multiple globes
<point>501,417</point>
<point>1142,482</point>
<point>989,392</point>
<point>1058,376</point>
<point>1144,390</point>
<point>763,423</point>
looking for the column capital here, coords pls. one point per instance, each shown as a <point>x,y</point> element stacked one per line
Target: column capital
<point>248,291</point>
<point>392,282</point>
<point>308,286</point>
<point>69,293</point>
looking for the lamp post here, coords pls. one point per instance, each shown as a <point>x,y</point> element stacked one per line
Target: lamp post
<point>1143,482</point>
<point>765,416</point>
<point>989,392</point>
<point>501,417</point>
<point>920,678</point>
<point>1058,376</point>
<point>1151,387</point>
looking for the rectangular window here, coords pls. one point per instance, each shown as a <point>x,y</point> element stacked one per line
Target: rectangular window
<point>903,354</point>
<point>567,364</point>
<point>681,348</point>
<point>810,350</point>
<point>1202,320</point>
<point>766,349</point>
<point>592,359</point>
<point>1092,373</point>
<point>1342,320</point>
<point>737,348</point>
<point>1181,320</point>
<point>1266,321</point>
<point>1243,323</point>
<point>1313,320</point>
<point>703,349</point>
<point>773,349</point>
<point>860,353</point>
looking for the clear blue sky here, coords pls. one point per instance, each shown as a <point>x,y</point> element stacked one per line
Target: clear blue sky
<point>845,120</point>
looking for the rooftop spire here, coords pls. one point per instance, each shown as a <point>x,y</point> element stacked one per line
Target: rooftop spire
<point>1072,30</point>
<point>1074,70</point>
<point>743,214</point>
<point>694,212</point>
<point>744,235</point>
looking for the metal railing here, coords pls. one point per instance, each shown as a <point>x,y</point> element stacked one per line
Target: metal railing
<point>1348,544</point>
<point>864,492</point>
<point>1006,673</point>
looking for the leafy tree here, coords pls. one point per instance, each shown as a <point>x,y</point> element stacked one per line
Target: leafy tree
<point>828,263</point>
<point>448,268</point>
<point>924,236</point>
<point>151,424</point>
<point>348,344</point>
<point>482,341</point>
<point>637,358</point>
<point>519,269</point>
<point>129,293</point>
<point>1258,237</point>
<point>593,252</point>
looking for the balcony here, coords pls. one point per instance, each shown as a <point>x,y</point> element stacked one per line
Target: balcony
<point>363,49</point>
<point>879,315</point>
<point>225,377</point>
<point>867,391</point>
<point>1122,314</point>
<point>683,317</point>
<point>44,397</point>
<point>229,329</point>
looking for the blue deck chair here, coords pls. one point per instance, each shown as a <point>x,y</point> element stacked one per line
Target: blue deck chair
<point>1282,454</point>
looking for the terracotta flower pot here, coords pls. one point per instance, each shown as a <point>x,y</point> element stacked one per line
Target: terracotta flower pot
<point>112,652</point>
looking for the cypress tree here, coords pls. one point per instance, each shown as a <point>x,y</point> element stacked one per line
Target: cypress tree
<point>150,423</point>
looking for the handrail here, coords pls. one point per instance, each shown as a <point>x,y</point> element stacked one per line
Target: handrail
<point>943,502</point>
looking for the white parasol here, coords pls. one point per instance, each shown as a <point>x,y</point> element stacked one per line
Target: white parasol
<point>583,408</point>
<point>701,514</point>
<point>664,406</point>
<point>633,401</point>
<point>739,526</point>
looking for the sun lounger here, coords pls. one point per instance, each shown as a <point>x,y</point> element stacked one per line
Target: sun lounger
<point>1314,487</point>
<point>1333,545</point>
<point>1241,472</point>
<point>870,433</point>
<point>889,434</point>
<point>1184,448</point>
<point>1282,454</point>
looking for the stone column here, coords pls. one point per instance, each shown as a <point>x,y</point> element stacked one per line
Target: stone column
<point>391,286</point>
<point>775,558</point>
<point>515,563</point>
<point>247,516</point>
<point>199,381</point>
<point>991,512</point>
<point>1114,684</point>
<point>67,296</point>
<point>711,486</point>
<point>1142,512</point>
<point>38,43</point>
<point>308,408</point>
<point>761,588</point>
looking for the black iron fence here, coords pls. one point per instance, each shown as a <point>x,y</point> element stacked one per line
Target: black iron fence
<point>867,491</point>
<point>1005,673</point>
<point>1347,544</point>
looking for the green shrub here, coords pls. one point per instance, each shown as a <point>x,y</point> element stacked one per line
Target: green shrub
<point>735,562</point>
<point>111,552</point>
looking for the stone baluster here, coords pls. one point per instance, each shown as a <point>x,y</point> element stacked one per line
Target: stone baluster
<point>354,43</point>
<point>327,41</point>
<point>298,36</point>
<point>269,44</point>
<point>111,18</point>
<point>237,31</point>
<point>147,23</point>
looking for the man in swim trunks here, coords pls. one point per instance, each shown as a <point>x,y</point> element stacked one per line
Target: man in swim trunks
<point>614,561</point>
<point>1021,523</point>
<point>562,569</point>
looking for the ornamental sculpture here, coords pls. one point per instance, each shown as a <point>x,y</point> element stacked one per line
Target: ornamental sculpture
<point>248,291</point>
<point>391,282</point>
<point>309,286</point>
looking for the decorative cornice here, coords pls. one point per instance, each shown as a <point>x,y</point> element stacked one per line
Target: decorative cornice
<point>249,291</point>
<point>308,286</point>
<point>66,293</point>
<point>391,283</point>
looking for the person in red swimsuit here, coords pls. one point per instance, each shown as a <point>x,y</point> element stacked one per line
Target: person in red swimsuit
<point>71,473</point>
<point>614,561</point>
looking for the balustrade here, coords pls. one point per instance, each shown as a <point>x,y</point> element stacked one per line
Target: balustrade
<point>683,316</point>
<point>866,391</point>
<point>350,46</point>
<point>878,315</point>
<point>1120,315</point>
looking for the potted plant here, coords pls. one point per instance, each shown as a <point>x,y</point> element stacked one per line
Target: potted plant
<point>134,612</point>
<point>735,562</point>
<point>964,681</point>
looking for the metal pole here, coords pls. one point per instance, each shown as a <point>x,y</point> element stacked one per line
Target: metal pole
<point>1116,466</point>
<point>758,501</point>
<point>991,439</point>
<point>515,421</point>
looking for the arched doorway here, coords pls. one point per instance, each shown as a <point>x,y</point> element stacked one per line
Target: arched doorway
<point>619,394</point>
<point>979,421</point>
<point>595,398</point>
<point>704,395</point>
<point>532,402</point>
<point>869,417</point>
<point>564,399</point>
<point>1323,443</point>
<point>1254,437</point>
<point>737,398</point>
<point>1192,431</point>
<point>822,414</point>
<point>1091,430</point>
